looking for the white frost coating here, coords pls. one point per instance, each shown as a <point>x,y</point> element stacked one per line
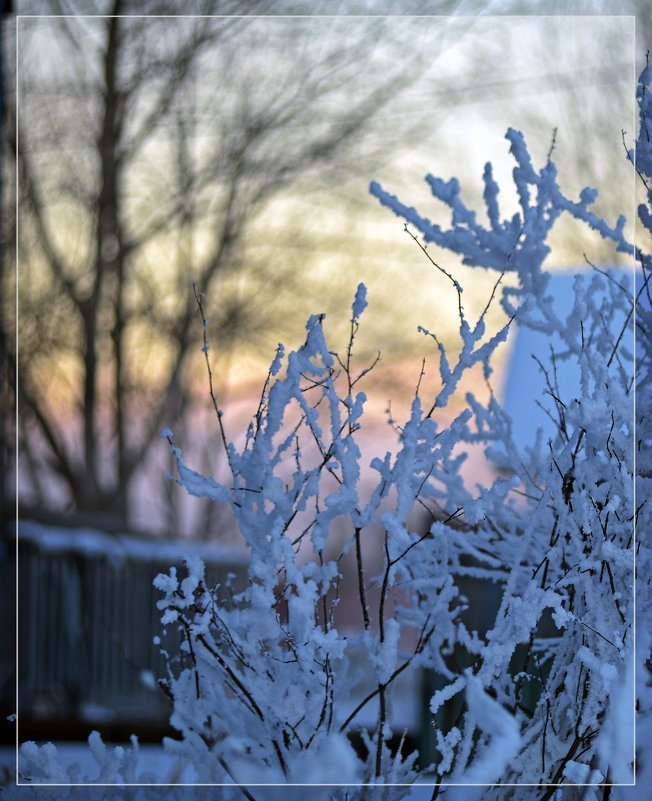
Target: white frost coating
<point>576,772</point>
<point>198,485</point>
<point>360,302</point>
<point>616,741</point>
<point>42,763</point>
<point>110,765</point>
<point>441,696</point>
<point>561,617</point>
<point>607,671</point>
<point>446,747</point>
<point>503,729</point>
<point>267,676</point>
<point>167,583</point>
<point>335,756</point>
<point>388,652</point>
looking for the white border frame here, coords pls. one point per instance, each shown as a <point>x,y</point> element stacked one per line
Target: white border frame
<point>634,521</point>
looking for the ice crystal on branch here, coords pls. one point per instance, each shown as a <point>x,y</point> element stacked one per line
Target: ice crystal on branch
<point>270,685</point>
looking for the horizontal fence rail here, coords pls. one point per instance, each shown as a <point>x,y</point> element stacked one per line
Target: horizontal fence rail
<point>87,622</point>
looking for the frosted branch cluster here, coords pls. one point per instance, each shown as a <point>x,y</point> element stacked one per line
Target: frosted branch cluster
<point>271,686</point>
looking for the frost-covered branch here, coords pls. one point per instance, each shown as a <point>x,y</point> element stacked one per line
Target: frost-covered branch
<point>271,686</point>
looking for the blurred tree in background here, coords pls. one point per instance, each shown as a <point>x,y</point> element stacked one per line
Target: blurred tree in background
<point>155,152</point>
<point>136,179</point>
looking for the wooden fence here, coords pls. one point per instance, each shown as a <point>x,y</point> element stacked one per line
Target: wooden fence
<point>87,618</point>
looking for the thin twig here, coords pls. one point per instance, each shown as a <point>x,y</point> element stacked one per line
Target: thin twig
<point>218,411</point>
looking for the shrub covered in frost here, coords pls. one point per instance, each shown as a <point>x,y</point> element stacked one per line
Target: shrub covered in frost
<point>266,687</point>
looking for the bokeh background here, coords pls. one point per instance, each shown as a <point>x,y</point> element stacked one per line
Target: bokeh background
<point>236,153</point>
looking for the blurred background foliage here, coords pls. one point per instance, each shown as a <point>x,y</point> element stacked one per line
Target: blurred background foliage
<point>233,148</point>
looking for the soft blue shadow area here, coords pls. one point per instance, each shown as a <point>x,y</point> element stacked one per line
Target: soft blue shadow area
<point>526,382</point>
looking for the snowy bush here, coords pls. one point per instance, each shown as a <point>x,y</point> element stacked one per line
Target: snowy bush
<point>266,686</point>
